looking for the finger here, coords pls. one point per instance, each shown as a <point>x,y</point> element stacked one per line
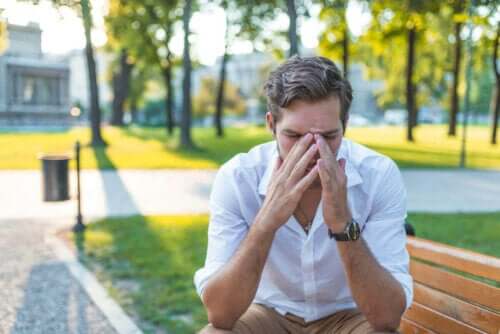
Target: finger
<point>304,162</point>
<point>296,152</point>
<point>325,151</point>
<point>324,175</point>
<point>307,180</point>
<point>277,165</point>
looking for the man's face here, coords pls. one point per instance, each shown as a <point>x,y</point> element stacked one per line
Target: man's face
<point>300,118</point>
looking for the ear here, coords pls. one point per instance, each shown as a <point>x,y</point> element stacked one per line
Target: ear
<point>270,123</point>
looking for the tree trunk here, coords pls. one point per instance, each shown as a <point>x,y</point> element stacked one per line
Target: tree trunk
<point>95,111</point>
<point>454,103</point>
<point>186,141</point>
<point>169,119</point>
<point>133,110</point>
<point>292,28</point>
<point>410,87</point>
<point>345,51</point>
<point>169,102</point>
<point>121,83</point>
<point>495,98</point>
<point>219,103</point>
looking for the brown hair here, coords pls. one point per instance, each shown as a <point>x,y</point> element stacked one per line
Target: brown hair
<point>309,79</point>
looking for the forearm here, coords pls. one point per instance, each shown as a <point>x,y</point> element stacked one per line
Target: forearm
<point>229,293</point>
<point>377,293</point>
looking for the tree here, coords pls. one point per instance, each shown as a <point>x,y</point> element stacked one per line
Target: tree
<point>292,28</point>
<point>240,23</point>
<point>336,32</point>
<point>219,105</point>
<point>121,86</point>
<point>458,18</point>
<point>83,8</point>
<point>186,141</point>
<point>495,97</point>
<point>397,24</point>
<point>145,28</point>
<point>204,102</point>
<point>95,109</point>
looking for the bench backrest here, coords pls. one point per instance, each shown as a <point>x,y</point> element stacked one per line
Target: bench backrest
<point>446,302</point>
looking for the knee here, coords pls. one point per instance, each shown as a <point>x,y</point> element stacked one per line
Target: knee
<point>209,329</point>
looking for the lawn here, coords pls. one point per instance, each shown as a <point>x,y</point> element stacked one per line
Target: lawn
<point>148,263</point>
<point>150,148</point>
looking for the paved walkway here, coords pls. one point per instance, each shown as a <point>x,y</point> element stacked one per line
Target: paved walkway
<point>37,292</point>
<point>171,192</point>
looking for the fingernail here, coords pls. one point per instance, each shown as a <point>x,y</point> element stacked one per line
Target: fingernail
<point>308,136</point>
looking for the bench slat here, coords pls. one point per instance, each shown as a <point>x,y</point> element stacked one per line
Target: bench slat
<point>456,285</point>
<point>457,309</point>
<point>438,322</point>
<point>456,258</point>
<point>409,327</point>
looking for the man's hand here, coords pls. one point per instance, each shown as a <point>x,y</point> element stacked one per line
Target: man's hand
<point>336,211</point>
<point>288,183</point>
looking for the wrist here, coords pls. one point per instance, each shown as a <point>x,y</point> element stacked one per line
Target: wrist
<point>266,224</point>
<point>338,227</point>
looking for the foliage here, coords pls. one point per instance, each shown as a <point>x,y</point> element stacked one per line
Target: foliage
<point>204,100</point>
<point>3,35</point>
<point>333,14</point>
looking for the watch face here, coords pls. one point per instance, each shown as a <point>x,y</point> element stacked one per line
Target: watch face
<point>354,230</point>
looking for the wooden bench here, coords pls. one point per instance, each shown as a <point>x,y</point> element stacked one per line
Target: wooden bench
<point>446,302</point>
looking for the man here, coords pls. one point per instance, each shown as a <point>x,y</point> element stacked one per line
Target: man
<point>306,233</point>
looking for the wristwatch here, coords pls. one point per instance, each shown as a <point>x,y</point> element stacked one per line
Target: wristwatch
<point>351,232</point>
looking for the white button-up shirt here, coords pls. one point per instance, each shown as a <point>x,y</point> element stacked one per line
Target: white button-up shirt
<point>304,274</point>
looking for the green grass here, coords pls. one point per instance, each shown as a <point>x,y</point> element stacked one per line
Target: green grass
<point>478,232</point>
<point>151,148</point>
<point>160,254</point>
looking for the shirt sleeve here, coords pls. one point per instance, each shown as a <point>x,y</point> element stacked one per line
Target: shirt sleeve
<point>226,229</point>
<point>384,231</point>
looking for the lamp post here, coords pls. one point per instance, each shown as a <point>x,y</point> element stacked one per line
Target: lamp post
<point>79,226</point>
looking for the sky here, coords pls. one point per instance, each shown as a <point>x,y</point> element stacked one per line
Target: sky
<point>62,30</point>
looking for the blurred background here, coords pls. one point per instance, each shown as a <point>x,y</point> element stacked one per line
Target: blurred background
<point>160,93</point>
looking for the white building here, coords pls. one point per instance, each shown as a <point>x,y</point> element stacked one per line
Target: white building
<point>34,88</point>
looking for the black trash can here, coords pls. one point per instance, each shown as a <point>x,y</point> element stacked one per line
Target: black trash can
<point>55,178</point>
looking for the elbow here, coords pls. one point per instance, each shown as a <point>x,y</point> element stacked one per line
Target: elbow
<point>218,316</point>
<point>384,322</point>
<point>386,325</point>
<point>220,321</point>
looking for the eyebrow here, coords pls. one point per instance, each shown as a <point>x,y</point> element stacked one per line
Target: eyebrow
<point>323,133</point>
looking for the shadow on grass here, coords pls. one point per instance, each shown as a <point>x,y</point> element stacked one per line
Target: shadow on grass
<point>152,276</point>
<point>208,146</point>
<point>161,258</point>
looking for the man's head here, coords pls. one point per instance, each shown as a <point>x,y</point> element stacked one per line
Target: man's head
<point>305,95</point>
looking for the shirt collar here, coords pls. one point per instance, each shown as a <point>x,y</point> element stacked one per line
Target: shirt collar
<point>353,176</point>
